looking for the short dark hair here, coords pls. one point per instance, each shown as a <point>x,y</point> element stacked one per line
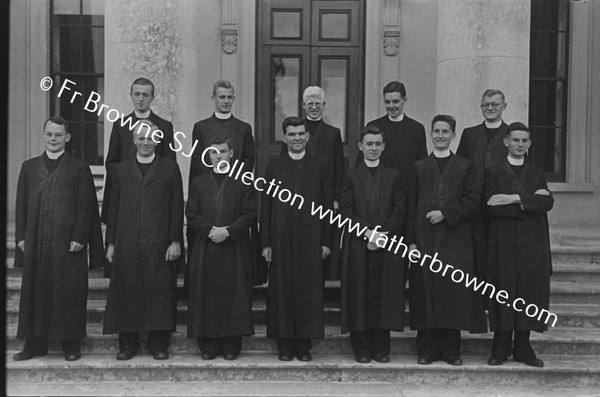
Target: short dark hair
<point>491,92</point>
<point>219,139</point>
<point>517,126</point>
<point>142,81</point>
<point>395,86</point>
<point>370,129</point>
<point>58,120</point>
<point>222,84</point>
<point>446,119</point>
<point>293,121</point>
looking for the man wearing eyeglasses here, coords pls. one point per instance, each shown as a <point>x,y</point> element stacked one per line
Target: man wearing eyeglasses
<point>56,220</point>
<point>483,145</point>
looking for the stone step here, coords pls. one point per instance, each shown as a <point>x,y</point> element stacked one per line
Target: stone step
<point>286,389</point>
<point>557,341</point>
<point>576,272</point>
<point>560,291</point>
<point>560,371</point>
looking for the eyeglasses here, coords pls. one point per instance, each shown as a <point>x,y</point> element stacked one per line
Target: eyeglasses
<point>314,105</point>
<point>492,104</point>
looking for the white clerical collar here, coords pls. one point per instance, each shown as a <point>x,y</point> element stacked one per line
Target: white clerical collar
<point>145,160</point>
<point>222,116</point>
<point>54,156</point>
<point>142,115</point>
<point>220,170</point>
<point>372,163</point>
<point>492,125</point>
<point>441,154</point>
<point>398,118</point>
<point>317,119</point>
<point>297,156</point>
<point>513,161</point>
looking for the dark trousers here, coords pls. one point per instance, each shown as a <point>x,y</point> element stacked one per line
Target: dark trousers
<point>157,341</point>
<point>293,345</point>
<point>438,343</point>
<point>38,345</point>
<point>521,347</point>
<point>370,342</point>
<point>216,346</point>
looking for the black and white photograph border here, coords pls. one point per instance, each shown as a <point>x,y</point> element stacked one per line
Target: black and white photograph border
<point>78,58</point>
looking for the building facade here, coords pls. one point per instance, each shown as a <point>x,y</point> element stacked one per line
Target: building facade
<point>542,54</point>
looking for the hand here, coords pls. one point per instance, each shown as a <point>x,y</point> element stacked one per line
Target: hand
<point>266,253</point>
<point>21,245</point>
<point>412,247</point>
<point>503,199</point>
<point>324,252</point>
<point>110,252</point>
<point>75,247</point>
<point>372,246</point>
<point>173,251</point>
<point>435,216</point>
<point>336,205</point>
<point>218,234</point>
<point>542,192</point>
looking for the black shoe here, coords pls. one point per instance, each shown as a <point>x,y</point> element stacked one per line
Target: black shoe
<point>285,357</point>
<point>381,358</point>
<point>304,356</point>
<point>496,360</point>
<point>22,356</point>
<point>424,360</point>
<point>532,362</point>
<point>229,356</point>
<point>124,355</point>
<point>363,359</point>
<point>161,355</point>
<point>73,356</point>
<point>454,361</point>
<point>208,356</point>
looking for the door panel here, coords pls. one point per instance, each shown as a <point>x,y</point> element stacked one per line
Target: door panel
<point>336,23</point>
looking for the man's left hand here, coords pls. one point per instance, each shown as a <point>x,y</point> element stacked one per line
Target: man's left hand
<point>504,199</point>
<point>435,216</point>
<point>75,246</point>
<point>324,252</point>
<point>173,251</point>
<point>219,234</point>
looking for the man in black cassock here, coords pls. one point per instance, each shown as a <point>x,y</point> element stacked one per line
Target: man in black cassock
<point>295,244</point>
<point>442,200</point>
<point>482,144</point>
<point>120,146</point>
<point>372,276</point>
<point>144,235</point>
<point>56,219</point>
<point>405,137</point>
<point>325,143</point>
<point>221,123</point>
<point>518,251</point>
<point>221,211</point>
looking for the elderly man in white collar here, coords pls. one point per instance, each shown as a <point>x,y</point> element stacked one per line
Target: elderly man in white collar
<point>442,201</point>
<point>144,237</point>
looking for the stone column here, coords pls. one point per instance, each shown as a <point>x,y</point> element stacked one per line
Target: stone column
<point>482,44</point>
<point>154,39</point>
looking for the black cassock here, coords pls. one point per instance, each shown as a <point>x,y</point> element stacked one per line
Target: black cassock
<point>435,300</point>
<point>518,251</point>
<point>121,148</point>
<point>52,210</point>
<point>146,217</point>
<point>220,296</point>
<point>373,281</point>
<point>295,291</point>
<point>474,146</point>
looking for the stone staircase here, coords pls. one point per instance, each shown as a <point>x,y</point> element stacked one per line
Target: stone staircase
<point>571,352</point>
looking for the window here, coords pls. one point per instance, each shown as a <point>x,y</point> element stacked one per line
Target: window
<point>77,54</point>
<point>548,86</point>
